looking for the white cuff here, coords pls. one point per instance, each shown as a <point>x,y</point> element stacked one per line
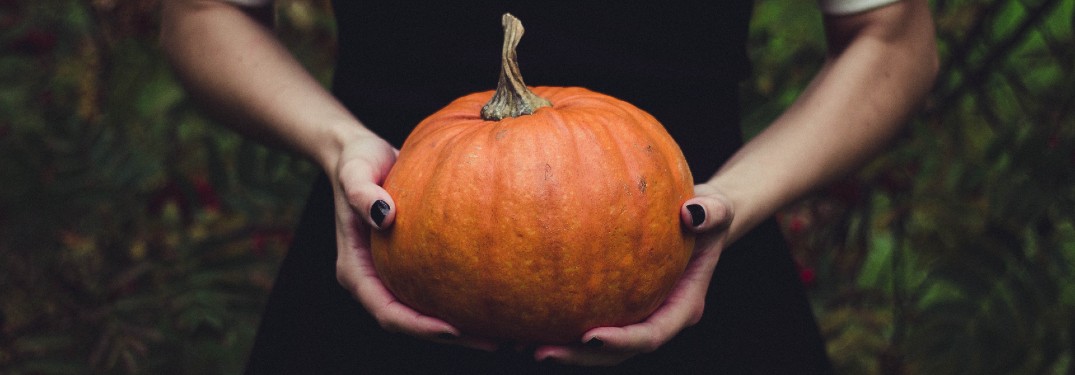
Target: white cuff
<point>843,7</point>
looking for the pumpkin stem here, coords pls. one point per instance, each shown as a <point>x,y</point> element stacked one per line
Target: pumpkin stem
<point>512,97</point>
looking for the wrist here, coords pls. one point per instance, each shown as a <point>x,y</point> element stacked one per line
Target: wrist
<point>335,137</point>
<point>746,201</point>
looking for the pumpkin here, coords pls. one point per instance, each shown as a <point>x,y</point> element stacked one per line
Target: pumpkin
<point>535,215</point>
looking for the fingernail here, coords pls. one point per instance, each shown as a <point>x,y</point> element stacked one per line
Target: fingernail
<point>445,335</point>
<point>697,214</point>
<point>594,343</point>
<point>379,211</point>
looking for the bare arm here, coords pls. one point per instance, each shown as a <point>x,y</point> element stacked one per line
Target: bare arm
<point>240,72</point>
<point>236,67</point>
<point>880,65</point>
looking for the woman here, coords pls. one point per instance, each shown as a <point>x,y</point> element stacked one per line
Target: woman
<point>400,61</point>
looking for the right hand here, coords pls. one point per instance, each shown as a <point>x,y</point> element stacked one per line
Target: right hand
<point>709,214</point>
<point>361,205</point>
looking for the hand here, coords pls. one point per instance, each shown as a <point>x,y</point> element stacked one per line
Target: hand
<point>361,204</point>
<point>709,213</point>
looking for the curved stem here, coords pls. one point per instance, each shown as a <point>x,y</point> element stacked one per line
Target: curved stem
<point>512,97</point>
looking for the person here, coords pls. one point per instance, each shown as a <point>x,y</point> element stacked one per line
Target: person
<point>680,60</point>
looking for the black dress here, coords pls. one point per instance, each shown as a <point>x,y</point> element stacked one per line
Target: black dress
<point>400,61</point>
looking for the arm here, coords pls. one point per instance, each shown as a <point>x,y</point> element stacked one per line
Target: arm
<point>231,61</point>
<point>881,63</point>
<point>880,66</point>
<point>234,65</point>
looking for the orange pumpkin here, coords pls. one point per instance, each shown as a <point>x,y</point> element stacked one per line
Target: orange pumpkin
<point>535,220</point>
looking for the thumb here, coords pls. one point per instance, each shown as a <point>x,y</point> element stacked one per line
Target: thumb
<point>706,212</point>
<point>370,201</point>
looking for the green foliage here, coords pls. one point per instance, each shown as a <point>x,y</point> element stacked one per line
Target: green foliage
<point>953,253</point>
<point>137,236</point>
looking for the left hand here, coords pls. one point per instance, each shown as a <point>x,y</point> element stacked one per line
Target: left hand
<point>608,346</point>
<point>356,174</point>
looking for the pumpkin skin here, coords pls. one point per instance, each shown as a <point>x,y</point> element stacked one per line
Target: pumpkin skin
<point>540,227</point>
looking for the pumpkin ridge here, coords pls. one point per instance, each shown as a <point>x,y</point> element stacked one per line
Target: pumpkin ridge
<point>665,184</point>
<point>601,141</point>
<point>659,140</point>
<point>526,145</point>
<point>540,227</point>
<point>623,141</point>
<point>459,228</point>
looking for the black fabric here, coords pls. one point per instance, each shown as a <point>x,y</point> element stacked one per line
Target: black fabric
<point>757,320</point>
<point>681,61</point>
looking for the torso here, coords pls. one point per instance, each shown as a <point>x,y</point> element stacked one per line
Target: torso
<point>400,61</point>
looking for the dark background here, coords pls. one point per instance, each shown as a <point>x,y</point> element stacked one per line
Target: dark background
<point>138,237</point>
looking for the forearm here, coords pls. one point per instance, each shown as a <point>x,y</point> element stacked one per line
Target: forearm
<point>880,66</point>
<point>236,68</point>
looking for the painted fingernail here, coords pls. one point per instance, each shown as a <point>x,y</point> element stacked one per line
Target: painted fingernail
<point>379,211</point>
<point>697,214</point>
<point>447,336</point>
<point>594,343</point>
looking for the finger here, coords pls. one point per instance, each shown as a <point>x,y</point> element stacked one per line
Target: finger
<point>370,201</point>
<point>355,272</point>
<point>705,213</point>
<point>397,317</point>
<point>607,346</point>
<point>644,337</point>
<point>394,316</point>
<point>580,356</point>
<point>402,319</point>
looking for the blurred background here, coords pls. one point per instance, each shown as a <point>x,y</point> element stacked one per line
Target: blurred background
<point>138,237</point>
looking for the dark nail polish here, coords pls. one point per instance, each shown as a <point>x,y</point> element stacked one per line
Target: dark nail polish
<point>697,214</point>
<point>594,343</point>
<point>446,336</point>
<point>379,211</point>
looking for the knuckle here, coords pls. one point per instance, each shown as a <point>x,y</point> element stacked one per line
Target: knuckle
<point>719,211</point>
<point>354,195</point>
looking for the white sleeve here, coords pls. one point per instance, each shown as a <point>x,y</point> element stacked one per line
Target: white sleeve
<point>842,7</point>
<point>250,3</point>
